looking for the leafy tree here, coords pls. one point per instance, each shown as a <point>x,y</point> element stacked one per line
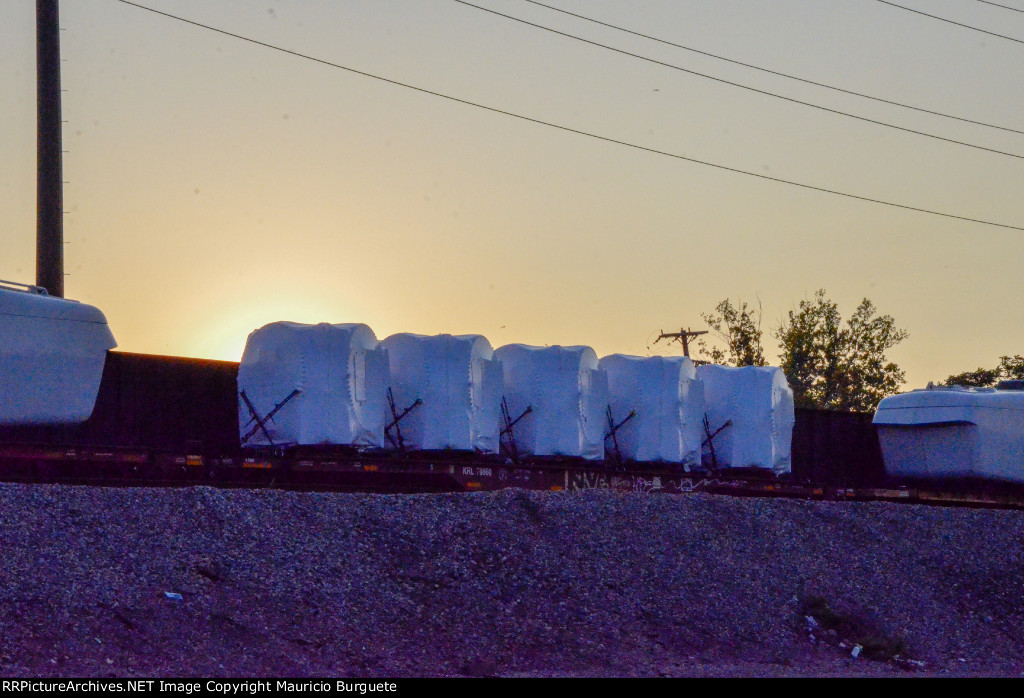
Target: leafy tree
<point>832,365</point>
<point>1010,368</point>
<point>979,378</point>
<point>740,328</point>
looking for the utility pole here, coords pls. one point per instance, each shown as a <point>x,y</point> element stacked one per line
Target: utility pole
<point>682,336</point>
<point>49,174</point>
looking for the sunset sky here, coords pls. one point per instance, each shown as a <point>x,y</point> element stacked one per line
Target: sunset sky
<point>215,185</point>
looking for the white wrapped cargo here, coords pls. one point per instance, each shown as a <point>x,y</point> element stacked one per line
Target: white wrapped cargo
<point>52,353</point>
<point>758,402</point>
<point>567,393</point>
<point>668,400</point>
<point>459,386</point>
<point>337,378</point>
<point>953,432</point>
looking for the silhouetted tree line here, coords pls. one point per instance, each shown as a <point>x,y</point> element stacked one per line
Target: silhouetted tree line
<point>1009,368</point>
<point>830,363</point>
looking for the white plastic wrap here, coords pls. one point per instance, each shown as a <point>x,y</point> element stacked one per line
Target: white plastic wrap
<point>953,433</point>
<point>669,403</point>
<point>759,403</point>
<point>568,394</point>
<point>52,353</point>
<point>340,371</point>
<point>460,386</point>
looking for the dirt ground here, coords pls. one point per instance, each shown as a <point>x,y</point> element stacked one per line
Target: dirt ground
<point>204,582</point>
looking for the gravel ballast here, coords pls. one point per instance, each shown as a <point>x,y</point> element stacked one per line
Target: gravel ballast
<point>513,583</point>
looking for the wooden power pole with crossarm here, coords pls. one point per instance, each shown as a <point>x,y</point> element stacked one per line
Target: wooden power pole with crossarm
<point>682,336</point>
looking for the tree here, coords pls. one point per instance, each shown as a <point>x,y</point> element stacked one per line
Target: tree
<point>830,365</point>
<point>740,329</point>
<point>980,378</point>
<point>1010,368</point>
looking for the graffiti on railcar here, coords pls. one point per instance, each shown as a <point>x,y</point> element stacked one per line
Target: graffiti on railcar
<point>664,483</point>
<point>585,481</point>
<point>577,481</point>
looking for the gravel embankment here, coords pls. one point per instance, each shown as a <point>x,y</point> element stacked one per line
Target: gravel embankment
<point>510,584</point>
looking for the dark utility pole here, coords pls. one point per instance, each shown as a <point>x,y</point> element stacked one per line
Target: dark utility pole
<point>682,336</point>
<point>49,176</point>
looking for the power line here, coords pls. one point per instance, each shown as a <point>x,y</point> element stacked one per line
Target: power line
<point>1005,7</point>
<point>740,85</point>
<point>776,72</point>
<point>568,128</point>
<point>943,19</point>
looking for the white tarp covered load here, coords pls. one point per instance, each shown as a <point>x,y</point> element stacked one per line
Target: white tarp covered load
<point>953,432</point>
<point>669,403</point>
<point>759,403</point>
<point>568,395</point>
<point>52,353</point>
<point>339,371</point>
<point>460,387</point>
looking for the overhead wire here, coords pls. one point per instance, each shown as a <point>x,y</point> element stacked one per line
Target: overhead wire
<point>774,72</point>
<point>568,129</point>
<point>949,21</point>
<point>1005,7</point>
<point>740,85</point>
